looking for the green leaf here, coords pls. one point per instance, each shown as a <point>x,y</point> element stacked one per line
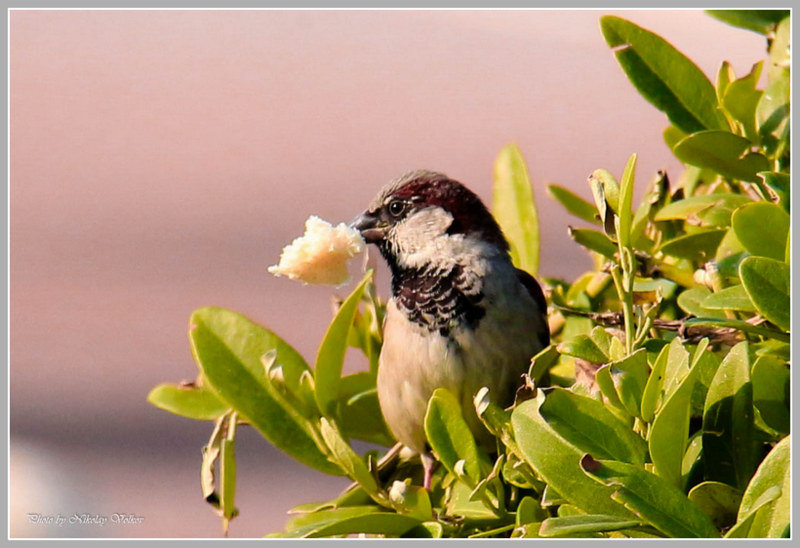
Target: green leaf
<point>741,325</point>
<point>719,501</point>
<point>683,209</point>
<point>762,228</point>
<point>693,300</point>
<point>780,55</point>
<point>227,483</point>
<point>594,240</point>
<point>730,298</point>
<point>585,348</point>
<point>664,76</point>
<point>543,362</point>
<point>629,378</point>
<point>351,520</point>
<point>556,461</point>
<point>741,99</point>
<point>586,523</point>
<point>193,402</point>
<point>360,413</point>
<point>669,433</point>
<point>588,425</point>
<point>778,183</point>
<point>346,458</point>
<point>671,366</point>
<point>772,112</point>
<point>771,387</point>
<point>771,519</point>
<point>514,209</point>
<point>574,203</point>
<point>729,445</point>
<point>767,283</point>
<point>707,364</point>
<point>529,511</point>
<point>378,523</point>
<point>330,356</point>
<point>449,435</point>
<point>723,152</point>
<point>413,500</point>
<point>228,348</point>
<point>725,76</point>
<point>601,179</point>
<point>651,498</point>
<point>698,246</point>
<point>626,201</point>
<point>760,21</point>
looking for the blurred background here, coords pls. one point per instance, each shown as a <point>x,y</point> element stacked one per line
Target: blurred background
<point>160,160</point>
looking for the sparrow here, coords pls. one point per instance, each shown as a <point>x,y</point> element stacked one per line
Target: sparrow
<point>461,316</point>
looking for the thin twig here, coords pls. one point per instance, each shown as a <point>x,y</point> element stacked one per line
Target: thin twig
<point>688,333</point>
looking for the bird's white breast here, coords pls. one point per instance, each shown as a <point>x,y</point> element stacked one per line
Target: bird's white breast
<point>415,361</point>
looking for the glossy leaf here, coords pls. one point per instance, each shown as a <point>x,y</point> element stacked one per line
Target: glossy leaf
<point>772,112</point>
<point>773,518</point>
<point>741,325</point>
<point>669,369</point>
<point>626,201</point>
<point>588,425</point>
<point>601,179</point>
<point>529,511</point>
<point>360,414</point>
<point>346,458</point>
<point>767,283</point>
<point>719,501</point>
<point>543,362</point>
<point>760,21</point>
<point>573,203</point>
<point>330,356</point>
<point>412,500</point>
<point>669,433</point>
<point>771,387</point>
<point>514,209</point>
<point>683,209</point>
<point>228,348</point>
<point>741,99</point>
<point>557,461</point>
<point>729,444</point>
<point>651,498</point>
<point>227,480</point>
<point>698,246</point>
<point>664,76</point>
<point>723,152</point>
<point>693,300</point>
<point>585,348</point>
<point>587,523</point>
<point>730,298</point>
<point>762,228</point>
<point>629,377</point>
<point>449,435</point>
<point>779,187</point>
<point>346,521</point>
<point>594,240</point>
<point>193,402</point>
<point>780,55</point>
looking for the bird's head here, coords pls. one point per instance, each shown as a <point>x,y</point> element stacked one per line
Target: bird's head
<point>425,218</point>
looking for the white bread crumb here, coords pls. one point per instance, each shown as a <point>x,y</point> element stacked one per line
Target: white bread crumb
<point>320,255</point>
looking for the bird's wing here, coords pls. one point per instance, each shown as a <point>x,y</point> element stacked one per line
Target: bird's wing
<point>536,293</point>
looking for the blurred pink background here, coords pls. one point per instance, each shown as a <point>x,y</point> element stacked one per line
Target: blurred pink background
<point>161,159</point>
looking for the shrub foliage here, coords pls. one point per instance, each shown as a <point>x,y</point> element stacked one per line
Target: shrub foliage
<point>661,408</point>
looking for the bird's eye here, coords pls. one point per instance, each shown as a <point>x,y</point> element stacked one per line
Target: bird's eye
<point>396,208</point>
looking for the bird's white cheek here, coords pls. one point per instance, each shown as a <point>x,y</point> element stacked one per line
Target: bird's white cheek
<point>422,237</point>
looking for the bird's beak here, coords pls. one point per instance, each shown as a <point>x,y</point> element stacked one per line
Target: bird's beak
<point>372,229</point>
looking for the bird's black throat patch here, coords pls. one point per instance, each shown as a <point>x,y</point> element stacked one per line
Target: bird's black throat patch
<point>437,300</point>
